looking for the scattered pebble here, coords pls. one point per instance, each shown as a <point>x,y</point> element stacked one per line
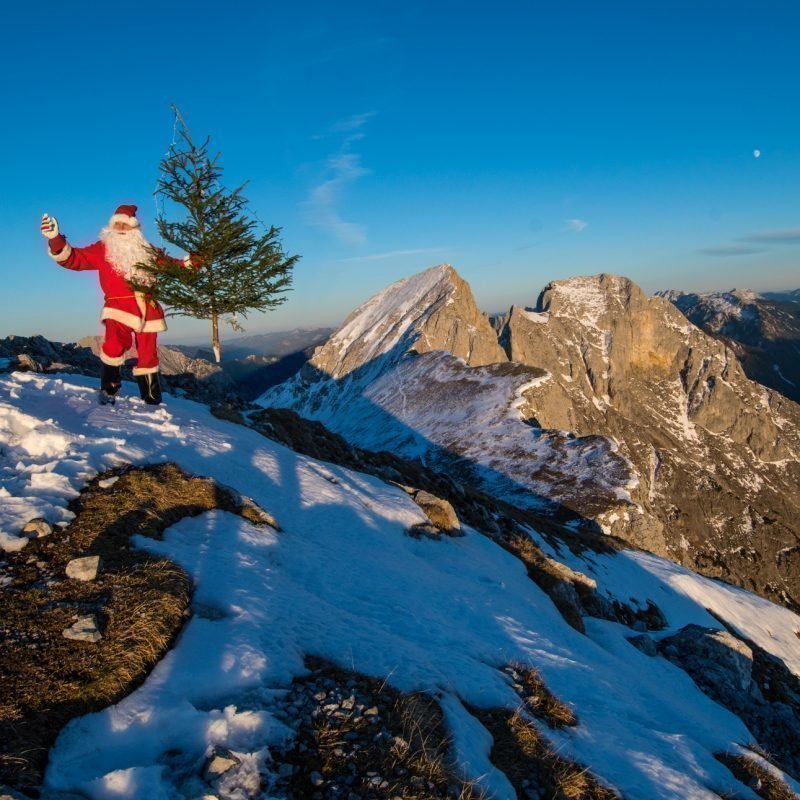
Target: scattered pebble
<point>83,569</point>
<point>37,529</point>
<point>84,630</point>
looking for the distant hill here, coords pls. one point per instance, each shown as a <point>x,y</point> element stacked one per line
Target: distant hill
<point>257,363</point>
<point>274,345</point>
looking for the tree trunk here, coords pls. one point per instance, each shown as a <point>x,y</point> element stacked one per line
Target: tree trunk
<point>215,337</point>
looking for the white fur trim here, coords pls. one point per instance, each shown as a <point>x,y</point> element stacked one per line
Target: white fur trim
<point>154,326</point>
<point>125,317</point>
<point>62,255</point>
<point>131,221</point>
<point>112,362</point>
<point>145,370</point>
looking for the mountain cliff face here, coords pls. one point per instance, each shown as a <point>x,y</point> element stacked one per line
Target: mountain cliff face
<point>605,402</point>
<point>418,370</point>
<point>763,331</point>
<point>434,310</point>
<point>716,454</point>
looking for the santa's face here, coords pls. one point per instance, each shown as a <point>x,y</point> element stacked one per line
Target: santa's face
<point>125,248</point>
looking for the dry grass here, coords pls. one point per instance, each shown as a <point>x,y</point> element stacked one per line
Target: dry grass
<point>528,761</point>
<point>405,743</point>
<point>140,602</point>
<point>538,699</point>
<point>755,777</point>
<point>542,572</point>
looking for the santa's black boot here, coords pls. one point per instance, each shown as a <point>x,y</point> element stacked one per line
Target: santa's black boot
<point>150,388</point>
<point>109,384</point>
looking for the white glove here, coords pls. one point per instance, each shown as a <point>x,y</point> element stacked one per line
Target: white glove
<point>49,226</point>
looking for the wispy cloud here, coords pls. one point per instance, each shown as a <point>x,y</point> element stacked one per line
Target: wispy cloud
<point>752,243</point>
<point>322,209</point>
<point>575,225</point>
<point>351,125</point>
<point>342,170</point>
<point>730,250</point>
<point>787,236</point>
<point>420,251</point>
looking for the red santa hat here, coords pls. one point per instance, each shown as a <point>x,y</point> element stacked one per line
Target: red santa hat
<point>126,214</point>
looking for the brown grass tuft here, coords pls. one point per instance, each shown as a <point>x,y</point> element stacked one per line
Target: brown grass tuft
<point>538,699</point>
<point>402,750</point>
<point>139,601</point>
<point>755,777</point>
<point>530,763</point>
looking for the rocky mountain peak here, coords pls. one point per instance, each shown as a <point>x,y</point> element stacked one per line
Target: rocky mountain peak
<point>763,331</point>
<point>591,297</point>
<point>715,453</point>
<point>432,310</point>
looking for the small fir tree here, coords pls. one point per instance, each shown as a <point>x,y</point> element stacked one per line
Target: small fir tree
<point>234,268</point>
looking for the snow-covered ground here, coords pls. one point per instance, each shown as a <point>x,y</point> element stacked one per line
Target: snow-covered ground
<point>466,421</point>
<point>343,581</point>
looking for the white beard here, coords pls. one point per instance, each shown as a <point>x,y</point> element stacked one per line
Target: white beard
<point>125,250</point>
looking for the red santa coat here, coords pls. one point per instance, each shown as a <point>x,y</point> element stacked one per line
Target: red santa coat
<point>135,309</point>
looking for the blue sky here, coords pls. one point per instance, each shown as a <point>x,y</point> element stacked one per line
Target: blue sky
<point>522,142</point>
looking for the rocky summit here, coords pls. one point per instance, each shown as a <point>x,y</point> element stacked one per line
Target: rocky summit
<point>600,400</point>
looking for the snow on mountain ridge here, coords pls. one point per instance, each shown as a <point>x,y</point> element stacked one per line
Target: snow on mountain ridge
<point>431,310</point>
<point>586,297</point>
<point>397,300</point>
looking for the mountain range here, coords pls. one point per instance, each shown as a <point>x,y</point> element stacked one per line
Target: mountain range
<point>598,402</point>
<point>552,554</point>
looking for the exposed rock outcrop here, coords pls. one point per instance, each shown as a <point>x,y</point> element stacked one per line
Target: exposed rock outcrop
<point>430,311</point>
<point>716,455</point>
<point>731,672</point>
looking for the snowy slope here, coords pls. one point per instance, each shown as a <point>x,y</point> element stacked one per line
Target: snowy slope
<point>343,581</point>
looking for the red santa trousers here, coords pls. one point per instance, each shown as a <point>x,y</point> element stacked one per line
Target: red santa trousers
<point>119,338</point>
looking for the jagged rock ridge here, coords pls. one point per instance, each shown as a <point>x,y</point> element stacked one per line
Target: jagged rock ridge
<point>715,453</point>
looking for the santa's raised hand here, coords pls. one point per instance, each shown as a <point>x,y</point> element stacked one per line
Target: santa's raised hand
<point>49,226</point>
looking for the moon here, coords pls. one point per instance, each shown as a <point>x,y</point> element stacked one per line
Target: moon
<point>756,154</point>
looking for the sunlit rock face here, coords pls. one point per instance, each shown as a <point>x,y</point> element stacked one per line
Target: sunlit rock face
<point>716,454</point>
<point>434,310</point>
<point>418,369</point>
<point>600,401</point>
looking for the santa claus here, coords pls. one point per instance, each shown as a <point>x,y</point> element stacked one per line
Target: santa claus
<point>127,313</point>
